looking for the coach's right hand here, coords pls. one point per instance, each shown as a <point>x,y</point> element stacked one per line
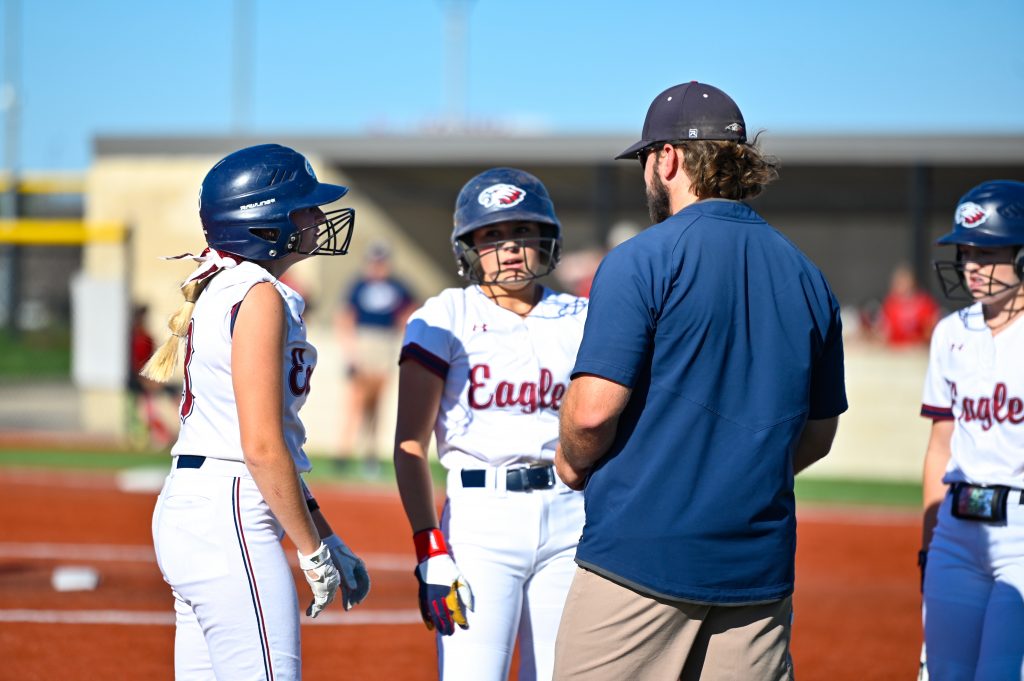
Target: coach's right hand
<point>444,595</point>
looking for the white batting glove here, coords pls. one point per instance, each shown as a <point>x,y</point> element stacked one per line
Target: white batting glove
<point>444,594</point>
<point>323,578</point>
<point>355,580</point>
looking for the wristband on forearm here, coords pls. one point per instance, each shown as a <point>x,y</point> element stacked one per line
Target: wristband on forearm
<point>429,543</point>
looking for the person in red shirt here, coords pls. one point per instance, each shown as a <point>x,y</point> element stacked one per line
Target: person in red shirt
<point>148,429</point>
<point>908,314</point>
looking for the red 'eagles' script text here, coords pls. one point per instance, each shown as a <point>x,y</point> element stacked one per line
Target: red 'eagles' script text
<point>999,407</point>
<point>529,394</point>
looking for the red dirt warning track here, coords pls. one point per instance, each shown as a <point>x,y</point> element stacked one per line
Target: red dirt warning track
<point>857,603</point>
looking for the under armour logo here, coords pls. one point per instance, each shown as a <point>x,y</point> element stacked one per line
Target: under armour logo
<point>956,346</point>
<point>479,327</point>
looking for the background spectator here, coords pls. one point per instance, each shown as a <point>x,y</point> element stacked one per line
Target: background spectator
<point>907,315</point>
<point>370,321</point>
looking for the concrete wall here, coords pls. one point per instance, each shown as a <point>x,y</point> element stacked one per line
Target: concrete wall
<point>882,436</point>
<point>157,198</point>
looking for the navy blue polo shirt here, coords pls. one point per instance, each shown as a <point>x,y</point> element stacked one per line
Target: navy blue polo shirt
<point>730,339</point>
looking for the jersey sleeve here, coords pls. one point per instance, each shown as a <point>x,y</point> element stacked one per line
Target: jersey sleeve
<point>621,316</point>
<point>937,399</point>
<point>429,339</point>
<point>828,381</point>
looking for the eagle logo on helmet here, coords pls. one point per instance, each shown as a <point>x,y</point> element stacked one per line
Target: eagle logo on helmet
<point>501,196</point>
<point>970,214</point>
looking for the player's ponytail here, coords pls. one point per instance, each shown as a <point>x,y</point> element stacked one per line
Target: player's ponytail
<point>161,365</point>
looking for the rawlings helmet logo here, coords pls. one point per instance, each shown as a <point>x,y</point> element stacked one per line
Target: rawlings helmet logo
<point>501,196</point>
<point>970,215</point>
<point>309,170</point>
<point>734,127</point>
<point>257,204</point>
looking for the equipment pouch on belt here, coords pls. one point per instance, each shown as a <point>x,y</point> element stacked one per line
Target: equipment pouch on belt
<point>978,502</point>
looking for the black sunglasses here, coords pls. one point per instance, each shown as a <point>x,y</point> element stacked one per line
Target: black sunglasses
<point>650,148</point>
<point>644,153</point>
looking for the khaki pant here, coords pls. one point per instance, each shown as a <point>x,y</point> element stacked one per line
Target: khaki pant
<point>610,633</point>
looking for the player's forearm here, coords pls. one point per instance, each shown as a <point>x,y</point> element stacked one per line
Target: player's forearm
<point>275,476</point>
<point>415,485</point>
<point>933,490</point>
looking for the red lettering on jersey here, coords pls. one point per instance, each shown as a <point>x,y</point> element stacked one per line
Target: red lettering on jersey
<point>188,400</point>
<point>503,395</point>
<point>1015,412</point>
<point>1000,408</point>
<point>546,381</point>
<point>529,395</point>
<point>475,383</point>
<point>299,374</point>
<point>556,396</point>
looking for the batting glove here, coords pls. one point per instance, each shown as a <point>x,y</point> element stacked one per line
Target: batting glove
<point>355,580</point>
<point>445,595</point>
<point>323,578</point>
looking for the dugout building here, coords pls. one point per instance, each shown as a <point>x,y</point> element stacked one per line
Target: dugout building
<point>857,205</point>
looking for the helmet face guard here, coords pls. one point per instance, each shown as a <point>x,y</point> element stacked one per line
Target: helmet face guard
<point>333,235</point>
<point>468,257</point>
<point>503,195</point>
<point>953,279</point>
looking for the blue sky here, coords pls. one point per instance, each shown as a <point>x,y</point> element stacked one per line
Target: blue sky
<point>559,67</point>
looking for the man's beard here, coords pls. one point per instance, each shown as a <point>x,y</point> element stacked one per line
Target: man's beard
<point>657,201</point>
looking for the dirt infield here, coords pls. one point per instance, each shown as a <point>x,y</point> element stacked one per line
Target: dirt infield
<point>857,603</point>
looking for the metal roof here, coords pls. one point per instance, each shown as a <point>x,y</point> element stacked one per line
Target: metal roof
<point>482,149</point>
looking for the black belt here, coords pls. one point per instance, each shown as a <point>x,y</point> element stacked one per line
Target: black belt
<point>524,479</point>
<point>190,461</point>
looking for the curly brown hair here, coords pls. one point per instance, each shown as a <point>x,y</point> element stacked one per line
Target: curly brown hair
<point>727,170</point>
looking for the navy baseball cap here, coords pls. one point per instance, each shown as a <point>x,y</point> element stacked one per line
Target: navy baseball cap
<point>690,111</point>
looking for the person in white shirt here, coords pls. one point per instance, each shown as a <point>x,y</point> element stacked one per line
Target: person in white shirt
<point>234,489</point>
<point>972,558</point>
<point>485,368</point>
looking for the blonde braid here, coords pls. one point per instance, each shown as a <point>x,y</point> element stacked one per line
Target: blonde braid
<point>161,365</point>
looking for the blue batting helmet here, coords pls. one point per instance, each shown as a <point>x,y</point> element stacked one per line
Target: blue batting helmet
<point>990,215</point>
<point>503,195</point>
<point>247,199</point>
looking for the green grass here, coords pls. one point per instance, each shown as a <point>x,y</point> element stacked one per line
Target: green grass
<point>40,354</point>
<point>872,492</point>
<point>82,460</point>
<point>814,490</point>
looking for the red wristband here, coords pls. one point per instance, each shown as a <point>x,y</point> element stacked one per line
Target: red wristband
<point>429,543</point>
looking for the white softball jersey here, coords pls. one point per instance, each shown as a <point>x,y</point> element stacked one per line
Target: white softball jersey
<point>978,380</point>
<point>209,417</point>
<point>505,375</point>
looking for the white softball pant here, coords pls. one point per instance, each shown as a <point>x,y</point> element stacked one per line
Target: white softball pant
<point>517,551</point>
<point>218,546</point>
<point>974,597</point>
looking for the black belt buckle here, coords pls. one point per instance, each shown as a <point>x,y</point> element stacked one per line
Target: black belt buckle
<point>189,461</point>
<point>979,502</point>
<point>540,476</point>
